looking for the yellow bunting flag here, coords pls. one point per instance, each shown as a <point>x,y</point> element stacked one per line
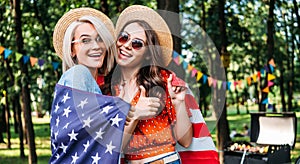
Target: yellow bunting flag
<point>254,78</point>
<point>271,77</point>
<point>1,49</point>
<point>190,67</point>
<point>199,75</point>
<point>266,90</point>
<point>33,60</point>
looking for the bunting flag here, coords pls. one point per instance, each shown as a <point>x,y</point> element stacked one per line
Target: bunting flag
<point>1,49</point>
<point>219,84</point>
<point>270,83</point>
<point>265,101</point>
<point>271,77</point>
<point>204,77</point>
<point>272,63</point>
<point>249,80</point>
<point>86,127</point>
<point>178,59</point>
<point>272,68</point>
<point>266,90</point>
<point>199,75</point>
<point>41,62</point>
<point>26,58</point>
<point>228,85</point>
<point>33,60</point>
<point>254,78</point>
<point>270,106</point>
<point>7,52</point>
<point>18,56</point>
<point>224,85</point>
<point>209,80</point>
<point>55,65</point>
<point>194,72</point>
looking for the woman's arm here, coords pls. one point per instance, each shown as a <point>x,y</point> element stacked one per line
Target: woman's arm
<point>183,127</point>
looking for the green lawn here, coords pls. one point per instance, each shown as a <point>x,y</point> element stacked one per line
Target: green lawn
<point>42,139</point>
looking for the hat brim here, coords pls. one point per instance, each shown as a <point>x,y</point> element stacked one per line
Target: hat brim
<point>71,16</point>
<point>157,23</point>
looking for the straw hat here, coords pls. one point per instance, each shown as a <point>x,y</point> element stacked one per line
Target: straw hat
<point>71,16</point>
<point>157,23</point>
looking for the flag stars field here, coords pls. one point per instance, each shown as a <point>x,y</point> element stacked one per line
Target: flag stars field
<point>82,103</point>
<point>73,135</point>
<point>116,120</point>
<point>66,97</point>
<point>109,147</point>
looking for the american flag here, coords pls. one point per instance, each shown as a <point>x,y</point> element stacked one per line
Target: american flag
<point>202,150</point>
<point>86,127</point>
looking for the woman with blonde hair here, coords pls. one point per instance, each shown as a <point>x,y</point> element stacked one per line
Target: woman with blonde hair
<point>83,120</point>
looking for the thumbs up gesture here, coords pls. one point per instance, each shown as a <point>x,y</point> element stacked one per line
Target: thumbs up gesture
<point>146,107</point>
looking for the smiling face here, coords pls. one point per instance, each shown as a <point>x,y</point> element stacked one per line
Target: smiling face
<point>131,50</point>
<point>88,47</point>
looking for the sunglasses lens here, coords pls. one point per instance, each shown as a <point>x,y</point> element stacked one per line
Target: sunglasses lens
<point>123,38</point>
<point>137,44</point>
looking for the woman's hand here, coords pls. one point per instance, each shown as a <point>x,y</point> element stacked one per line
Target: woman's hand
<point>146,107</point>
<point>177,93</point>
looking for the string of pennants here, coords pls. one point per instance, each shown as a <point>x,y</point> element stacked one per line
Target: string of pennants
<point>179,59</point>
<point>33,60</point>
<point>212,82</point>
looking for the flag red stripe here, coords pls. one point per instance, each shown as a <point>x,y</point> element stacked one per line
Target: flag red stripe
<point>200,130</point>
<point>199,157</point>
<point>191,102</point>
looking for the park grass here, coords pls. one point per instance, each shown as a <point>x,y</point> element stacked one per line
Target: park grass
<point>42,138</point>
<point>42,141</point>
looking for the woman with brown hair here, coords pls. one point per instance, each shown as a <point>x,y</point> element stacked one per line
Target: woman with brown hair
<point>144,48</point>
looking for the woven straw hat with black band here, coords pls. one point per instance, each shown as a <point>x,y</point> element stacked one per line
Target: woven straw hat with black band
<point>157,23</point>
<point>71,16</point>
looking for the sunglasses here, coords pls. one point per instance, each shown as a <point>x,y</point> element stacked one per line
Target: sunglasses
<point>136,44</point>
<point>88,40</point>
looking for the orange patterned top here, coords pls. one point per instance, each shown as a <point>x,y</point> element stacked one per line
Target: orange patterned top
<point>153,136</point>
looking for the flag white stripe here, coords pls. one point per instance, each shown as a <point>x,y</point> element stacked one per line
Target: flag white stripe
<point>198,144</point>
<point>196,116</point>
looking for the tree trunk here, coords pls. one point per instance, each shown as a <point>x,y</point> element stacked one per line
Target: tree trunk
<point>270,52</point>
<point>7,116</point>
<point>104,7</point>
<point>270,27</point>
<point>169,10</point>
<point>222,125</point>
<point>19,123</point>
<point>32,157</point>
<point>289,60</point>
<point>293,59</point>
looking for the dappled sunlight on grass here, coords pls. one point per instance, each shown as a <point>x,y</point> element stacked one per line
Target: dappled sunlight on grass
<point>42,143</point>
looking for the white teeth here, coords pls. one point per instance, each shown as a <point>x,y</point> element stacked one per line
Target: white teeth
<point>94,55</point>
<point>124,53</point>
